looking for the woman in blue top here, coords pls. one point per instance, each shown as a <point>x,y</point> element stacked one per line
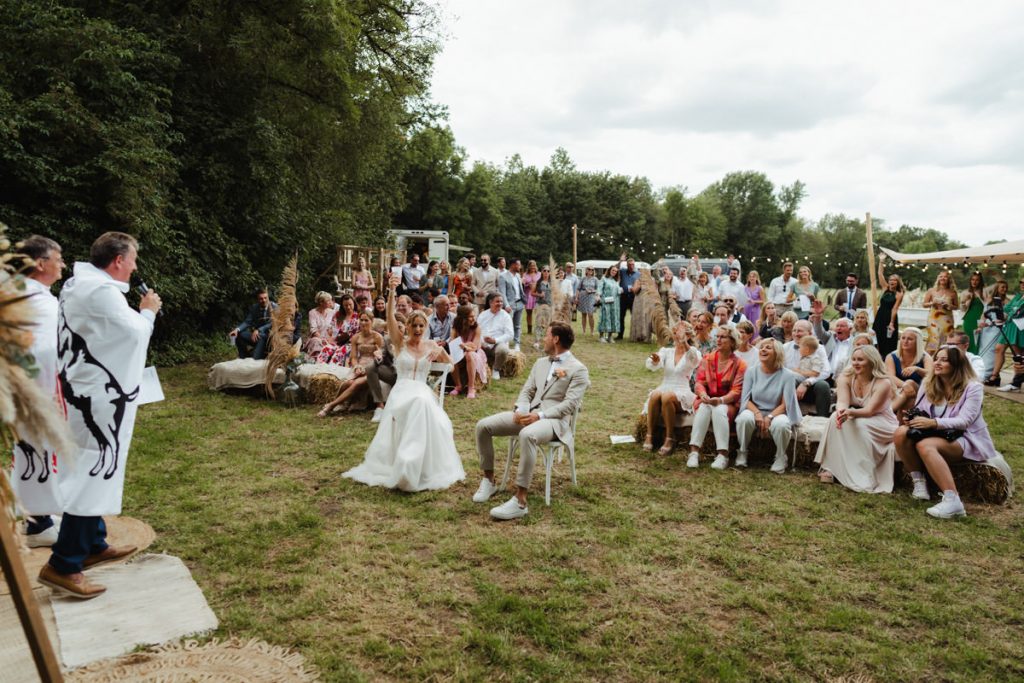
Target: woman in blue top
<point>768,404</point>
<point>908,361</point>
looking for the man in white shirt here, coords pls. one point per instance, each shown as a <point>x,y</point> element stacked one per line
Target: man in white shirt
<point>497,331</point>
<point>962,341</point>
<point>733,262</point>
<point>510,286</point>
<point>818,385</point>
<point>780,287</point>
<point>733,288</point>
<point>838,343</point>
<point>485,281</point>
<point>715,281</point>
<point>682,291</point>
<point>412,274</point>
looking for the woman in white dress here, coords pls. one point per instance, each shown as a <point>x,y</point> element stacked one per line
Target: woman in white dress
<point>414,448</point>
<point>673,394</point>
<point>857,449</point>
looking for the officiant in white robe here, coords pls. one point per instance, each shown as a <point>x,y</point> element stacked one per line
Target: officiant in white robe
<point>101,344</point>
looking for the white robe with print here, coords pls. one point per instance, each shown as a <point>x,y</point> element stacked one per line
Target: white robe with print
<point>35,464</point>
<point>101,346</point>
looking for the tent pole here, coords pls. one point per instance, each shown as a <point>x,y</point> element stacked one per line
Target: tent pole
<point>871,267</point>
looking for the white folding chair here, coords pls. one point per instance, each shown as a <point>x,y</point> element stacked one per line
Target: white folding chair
<point>550,450</point>
<point>439,370</point>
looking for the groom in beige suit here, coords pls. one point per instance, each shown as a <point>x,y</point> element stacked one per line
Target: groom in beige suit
<point>552,392</point>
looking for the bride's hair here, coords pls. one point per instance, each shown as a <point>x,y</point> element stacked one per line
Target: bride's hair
<point>416,314</point>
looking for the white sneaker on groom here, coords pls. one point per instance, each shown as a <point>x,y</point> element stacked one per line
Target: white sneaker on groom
<point>511,509</point>
<point>485,491</point>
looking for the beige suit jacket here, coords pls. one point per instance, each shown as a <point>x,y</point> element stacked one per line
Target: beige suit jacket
<point>559,398</point>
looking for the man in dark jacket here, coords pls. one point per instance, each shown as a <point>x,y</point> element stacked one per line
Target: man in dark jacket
<point>253,334</point>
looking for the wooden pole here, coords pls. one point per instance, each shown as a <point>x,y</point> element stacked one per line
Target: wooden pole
<point>574,261</point>
<point>25,604</point>
<point>871,268</point>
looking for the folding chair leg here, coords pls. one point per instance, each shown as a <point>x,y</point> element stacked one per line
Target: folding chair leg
<point>513,441</point>
<point>572,466</point>
<point>549,460</point>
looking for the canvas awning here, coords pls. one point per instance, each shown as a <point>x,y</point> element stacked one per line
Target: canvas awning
<point>992,254</point>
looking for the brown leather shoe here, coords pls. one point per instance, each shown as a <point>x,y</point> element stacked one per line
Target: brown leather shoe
<point>111,554</point>
<point>74,585</point>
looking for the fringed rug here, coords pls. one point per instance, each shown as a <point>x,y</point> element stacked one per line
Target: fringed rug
<point>252,661</point>
<point>150,600</point>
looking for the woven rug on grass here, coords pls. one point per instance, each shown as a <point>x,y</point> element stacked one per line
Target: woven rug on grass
<point>150,600</point>
<point>232,661</point>
<point>16,663</point>
<point>120,531</point>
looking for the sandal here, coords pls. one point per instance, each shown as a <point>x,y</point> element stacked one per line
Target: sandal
<point>648,446</point>
<point>471,394</point>
<point>825,477</point>
<point>670,444</point>
<point>455,392</point>
<point>324,412</point>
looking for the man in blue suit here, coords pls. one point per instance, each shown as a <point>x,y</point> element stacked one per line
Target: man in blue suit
<point>252,335</point>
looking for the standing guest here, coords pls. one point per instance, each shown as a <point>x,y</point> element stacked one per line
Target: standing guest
<point>498,332</point>
<point>783,333</point>
<point>608,294</point>
<point>767,321</point>
<point>412,275</point>
<point>693,268</point>
<point>851,299</point>
<point>973,304</point>
<point>733,288</point>
<point>629,281</point>
<point>37,488</point>
<point>732,262</point>
<point>587,299</point>
<point>366,344</point>
<point>530,278</point>
<point>803,293</point>
<point>439,324</point>
<point>682,290</point>
<point>719,389</point>
<point>380,305</point>
<point>768,405</point>
<point>909,362</point>
<point>471,260</point>
<point>431,282</point>
<point>780,288</point>
<point>542,295</point>
<point>253,334</point>
<point>815,382</point>
<point>754,294</point>
<point>861,325</point>
<point>510,286</point>
<point>571,286</point>
<point>857,447</point>
<point>485,281</point>
<point>887,322</point>
<point>702,294</point>
<point>362,280</point>
<point>665,287</point>
<point>102,344</point>
<point>715,281</point>
<point>466,334</point>
<point>462,280</point>
<point>1014,335</point>
<point>942,300</point>
<point>990,332</point>
<point>322,325</point>
<point>673,395</point>
<point>951,430</point>
<point>703,335</point>
<point>444,277</point>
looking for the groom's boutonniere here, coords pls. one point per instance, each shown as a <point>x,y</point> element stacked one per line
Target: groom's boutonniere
<point>560,373</point>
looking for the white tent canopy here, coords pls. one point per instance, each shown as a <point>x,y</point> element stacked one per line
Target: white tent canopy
<point>992,254</point>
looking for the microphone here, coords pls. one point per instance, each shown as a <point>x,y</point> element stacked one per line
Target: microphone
<point>142,289</point>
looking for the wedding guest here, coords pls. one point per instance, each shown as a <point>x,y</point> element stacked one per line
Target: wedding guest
<point>857,448</point>
<point>588,299</point>
<point>783,333</point>
<point>608,294</point>
<point>543,296</point>
<point>682,290</point>
<point>887,322</point>
<point>362,280</point>
<point>322,326</point>
<point>973,304</point>
<point>838,341</point>
<point>412,275</point>
<point>673,395</point>
<point>951,430</point>
<point>1014,335</point>
<point>348,325</point>
<point>365,344</point>
<point>496,326</point>
<point>803,293</point>
<point>703,338</point>
<point>722,318</point>
<point>719,388</point>
<point>380,305</point>
<point>466,334</point>
<point>746,349</point>
<point>851,299</point>
<point>942,300</point>
<point>990,333</point>
<point>816,382</point>
<point>780,288</point>
<point>403,305</point>
<point>253,334</point>
<point>732,262</point>
<point>735,312</point>
<point>702,292</point>
<point>732,287</point>
<point>629,281</point>
<point>431,282</point>
<point>960,340</point>
<point>909,361</point>
<point>462,280</point>
<point>510,286</point>
<point>754,293</point>
<point>862,325</point>
<point>485,281</point>
<point>439,324</point>
<point>382,371</point>
<point>715,281</point>
<point>530,278</point>
<point>767,321</point>
<point>863,340</point>
<point>768,404</point>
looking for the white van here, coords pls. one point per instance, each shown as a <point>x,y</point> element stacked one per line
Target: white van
<point>600,266</point>
<point>431,245</point>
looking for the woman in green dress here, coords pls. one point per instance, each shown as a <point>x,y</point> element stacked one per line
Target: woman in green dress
<point>608,296</point>
<point>887,322</point>
<point>1013,334</point>
<point>973,307</point>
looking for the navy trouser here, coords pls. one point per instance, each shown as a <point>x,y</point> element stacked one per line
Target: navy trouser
<point>79,538</point>
<point>246,348</point>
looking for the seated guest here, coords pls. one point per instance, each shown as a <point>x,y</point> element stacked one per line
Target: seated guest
<point>783,332</point>
<point>959,339</point>
<point>863,340</point>
<point>403,305</point>
<point>817,383</point>
<point>746,349</point>
<point>703,338</point>
<point>857,447</point>
<point>416,301</point>
<point>337,353</point>
<point>322,327</point>
<point>838,343</point>
<point>721,318</point>
<point>768,404</point>
<point>767,321</point>
<point>253,334</point>
<point>380,307</point>
<point>861,325</point>
<point>950,429</point>
<point>736,314</point>
<point>810,364</point>
<point>439,324</point>
<point>466,299</point>
<point>673,395</point>
<point>363,304</point>
<point>467,335</point>
<point>719,389</point>
<point>908,361</point>
<point>365,344</point>
<point>498,331</point>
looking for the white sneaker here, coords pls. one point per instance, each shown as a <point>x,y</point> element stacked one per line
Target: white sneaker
<point>921,490</point>
<point>516,348</point>
<point>741,459</point>
<point>602,340</point>
<point>484,491</point>
<point>720,463</point>
<point>511,509</point>
<point>780,464</point>
<point>377,412</point>
<point>495,375</point>
<point>693,462</point>
<point>44,539</point>
<point>950,506</point>
<point>1008,387</point>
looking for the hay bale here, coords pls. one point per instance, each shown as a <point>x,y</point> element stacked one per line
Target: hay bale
<point>980,483</point>
<point>514,364</point>
<point>323,388</point>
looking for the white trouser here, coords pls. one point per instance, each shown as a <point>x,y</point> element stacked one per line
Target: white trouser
<point>779,429</point>
<point>988,338</point>
<point>718,418</point>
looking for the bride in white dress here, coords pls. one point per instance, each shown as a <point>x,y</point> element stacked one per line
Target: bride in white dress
<point>414,449</point>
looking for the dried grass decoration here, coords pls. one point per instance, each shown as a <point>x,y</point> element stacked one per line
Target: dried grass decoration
<point>646,301</point>
<point>561,305</point>
<point>515,363</point>
<point>23,405</point>
<point>282,325</point>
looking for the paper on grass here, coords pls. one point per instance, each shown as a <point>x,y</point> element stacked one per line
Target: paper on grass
<point>150,390</point>
<point>621,438</point>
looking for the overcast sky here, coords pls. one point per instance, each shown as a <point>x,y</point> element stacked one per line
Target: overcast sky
<point>913,111</point>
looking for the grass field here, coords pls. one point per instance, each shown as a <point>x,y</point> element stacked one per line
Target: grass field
<point>645,571</point>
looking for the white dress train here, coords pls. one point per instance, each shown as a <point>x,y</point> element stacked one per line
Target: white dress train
<point>414,447</point>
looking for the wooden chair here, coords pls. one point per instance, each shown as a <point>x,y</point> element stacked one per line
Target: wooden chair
<point>550,450</point>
